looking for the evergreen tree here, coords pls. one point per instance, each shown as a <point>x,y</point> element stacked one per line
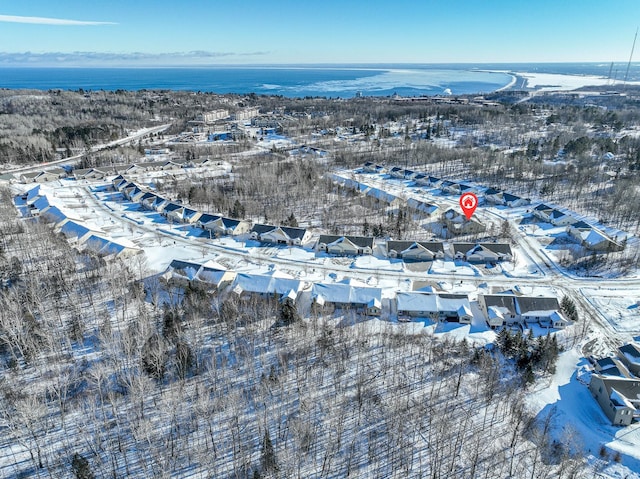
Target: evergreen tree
<point>365,228</point>
<point>288,312</point>
<point>80,467</point>
<point>268,459</point>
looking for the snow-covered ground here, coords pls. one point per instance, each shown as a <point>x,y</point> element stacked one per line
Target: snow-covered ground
<point>567,399</point>
<point>616,301</point>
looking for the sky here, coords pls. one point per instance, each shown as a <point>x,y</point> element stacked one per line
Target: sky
<point>201,32</point>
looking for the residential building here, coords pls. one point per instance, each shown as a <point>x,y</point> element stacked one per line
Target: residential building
<point>345,245</point>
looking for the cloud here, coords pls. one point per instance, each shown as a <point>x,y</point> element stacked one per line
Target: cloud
<point>197,57</point>
<point>48,21</point>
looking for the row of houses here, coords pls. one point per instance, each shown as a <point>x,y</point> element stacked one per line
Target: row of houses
<point>509,308</point>
<point>491,195</point>
<point>587,235</point>
<point>504,309</point>
<point>81,237</point>
<point>98,173</point>
<point>339,245</point>
<point>615,384</point>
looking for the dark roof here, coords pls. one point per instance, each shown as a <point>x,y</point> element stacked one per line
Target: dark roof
<point>463,248</point>
<point>230,223</point>
<point>582,225</point>
<point>294,233</point>
<point>533,303</point>
<point>542,207</point>
<point>147,195</point>
<point>500,248</point>
<point>491,191</point>
<point>404,245</point>
<point>172,207</point>
<point>501,301</point>
<point>206,218</point>
<point>179,264</point>
<point>509,197</point>
<point>260,228</point>
<point>360,241</point>
<point>630,349</point>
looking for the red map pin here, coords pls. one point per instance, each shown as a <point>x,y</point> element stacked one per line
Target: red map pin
<point>468,203</point>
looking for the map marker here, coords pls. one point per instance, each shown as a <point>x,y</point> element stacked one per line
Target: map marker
<point>468,203</point>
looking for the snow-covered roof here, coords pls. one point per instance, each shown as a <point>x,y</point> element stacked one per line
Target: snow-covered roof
<point>345,293</point>
<point>266,284</point>
<point>620,400</point>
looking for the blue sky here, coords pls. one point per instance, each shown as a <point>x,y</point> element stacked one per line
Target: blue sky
<point>252,32</point>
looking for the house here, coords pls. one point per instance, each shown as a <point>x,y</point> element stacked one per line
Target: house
<point>421,179</point>
<point>345,245</point>
<point>274,284</point>
<point>370,167</point>
<point>494,195</point>
<point>415,250</point>
<point>543,310</point>
<point>209,274</point>
<point>498,309</point>
<point>221,226</point>
<point>344,295</point>
<point>438,307</point>
<point>451,187</point>
<point>619,398</point>
<point>507,308</point>
<point>552,215</point>
<point>117,181</point>
<point>279,234</point>
<point>397,172</point>
<point>513,201</point>
<point>147,200</point>
<point>108,247</point>
<point>629,354</point>
<point>434,181</point>
<point>610,367</point>
<point>383,197</point>
<point>91,173</point>
<point>43,176</point>
<point>74,230</point>
<point>171,210</point>
<point>458,224</point>
<point>427,209</point>
<point>52,214</point>
<point>592,238</point>
<point>543,212</point>
<point>482,252</point>
<point>180,272</point>
<point>216,275</point>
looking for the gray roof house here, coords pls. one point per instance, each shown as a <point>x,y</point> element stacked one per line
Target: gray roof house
<point>345,245</point>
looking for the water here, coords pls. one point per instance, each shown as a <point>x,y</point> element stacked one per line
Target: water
<point>327,81</point>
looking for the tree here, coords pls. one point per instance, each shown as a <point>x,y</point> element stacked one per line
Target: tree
<point>365,228</point>
<point>268,460</point>
<point>568,307</point>
<point>289,312</point>
<point>291,221</point>
<point>238,210</point>
<point>80,467</point>
<point>154,356</point>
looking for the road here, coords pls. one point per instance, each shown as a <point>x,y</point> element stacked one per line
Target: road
<point>94,149</point>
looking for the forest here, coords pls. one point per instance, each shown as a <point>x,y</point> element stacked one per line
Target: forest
<point>108,371</point>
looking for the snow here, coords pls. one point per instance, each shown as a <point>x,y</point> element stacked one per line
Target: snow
<point>559,82</point>
<point>617,307</point>
<point>573,408</point>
